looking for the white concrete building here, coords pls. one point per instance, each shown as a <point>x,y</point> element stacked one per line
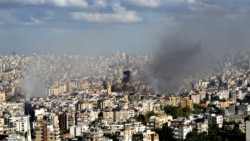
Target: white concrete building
<point>40,111</point>
<point>217,119</point>
<point>223,94</point>
<point>21,124</point>
<point>248,130</point>
<point>182,127</point>
<point>14,137</point>
<point>78,130</point>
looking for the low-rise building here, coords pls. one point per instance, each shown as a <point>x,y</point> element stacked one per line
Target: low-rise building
<point>181,127</point>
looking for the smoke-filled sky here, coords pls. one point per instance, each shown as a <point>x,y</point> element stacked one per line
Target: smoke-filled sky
<point>80,26</point>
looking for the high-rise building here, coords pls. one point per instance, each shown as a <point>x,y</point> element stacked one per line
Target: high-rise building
<point>196,98</point>
<point>174,100</point>
<point>46,132</point>
<point>247,130</point>
<point>63,121</point>
<point>2,96</point>
<point>181,127</point>
<point>185,102</point>
<point>107,86</point>
<point>53,133</point>
<point>21,125</point>
<point>72,86</point>
<point>126,76</point>
<point>40,131</point>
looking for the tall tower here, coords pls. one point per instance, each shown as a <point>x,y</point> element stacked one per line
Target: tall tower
<point>126,76</point>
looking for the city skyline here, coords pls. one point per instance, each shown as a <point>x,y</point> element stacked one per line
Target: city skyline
<point>101,26</point>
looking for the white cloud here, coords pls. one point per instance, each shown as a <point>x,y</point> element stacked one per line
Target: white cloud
<point>192,1</point>
<point>100,3</point>
<point>120,14</point>
<point>49,15</point>
<point>146,3</point>
<point>156,3</point>
<point>33,21</point>
<point>65,3</point>
<point>59,3</point>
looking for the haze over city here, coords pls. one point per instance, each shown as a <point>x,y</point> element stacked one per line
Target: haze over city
<point>124,70</point>
<point>101,26</point>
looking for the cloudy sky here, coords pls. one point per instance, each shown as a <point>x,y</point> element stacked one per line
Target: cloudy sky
<point>88,26</point>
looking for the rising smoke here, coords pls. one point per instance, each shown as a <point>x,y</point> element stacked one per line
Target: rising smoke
<point>199,37</point>
<point>173,62</point>
<point>32,87</point>
<point>197,42</point>
<point>31,83</point>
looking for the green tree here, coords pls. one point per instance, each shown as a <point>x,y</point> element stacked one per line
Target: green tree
<point>113,136</point>
<point>198,109</point>
<point>186,111</point>
<point>165,133</point>
<point>218,134</point>
<point>195,136</point>
<point>234,134</point>
<point>144,118</point>
<point>140,118</point>
<point>177,111</point>
<point>213,131</point>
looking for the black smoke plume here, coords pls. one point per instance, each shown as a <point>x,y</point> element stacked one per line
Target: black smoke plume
<point>173,62</point>
<point>197,41</point>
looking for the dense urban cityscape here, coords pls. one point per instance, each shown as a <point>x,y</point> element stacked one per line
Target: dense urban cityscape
<point>101,98</point>
<point>124,70</point>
